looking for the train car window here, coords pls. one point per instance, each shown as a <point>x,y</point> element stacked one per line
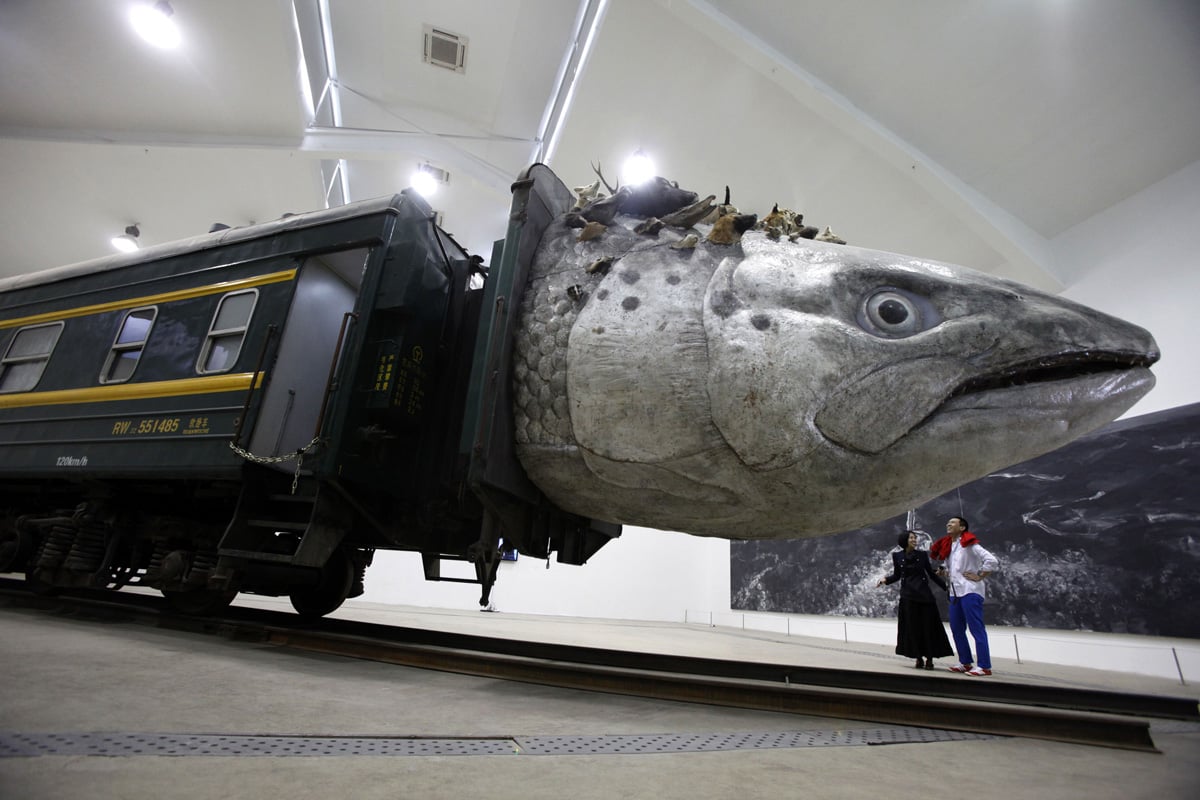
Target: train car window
<point>26,357</point>
<point>228,329</point>
<point>128,345</point>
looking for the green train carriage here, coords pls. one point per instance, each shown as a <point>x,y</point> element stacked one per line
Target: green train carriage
<point>261,409</point>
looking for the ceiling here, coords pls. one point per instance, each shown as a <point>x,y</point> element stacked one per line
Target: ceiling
<point>973,132</point>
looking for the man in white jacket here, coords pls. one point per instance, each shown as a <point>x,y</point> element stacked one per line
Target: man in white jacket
<point>967,564</point>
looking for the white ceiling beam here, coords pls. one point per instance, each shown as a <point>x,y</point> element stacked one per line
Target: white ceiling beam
<point>1027,251</point>
<point>359,143</point>
<point>587,25</point>
<point>318,142</point>
<point>318,68</point>
<point>329,136</point>
<point>148,138</point>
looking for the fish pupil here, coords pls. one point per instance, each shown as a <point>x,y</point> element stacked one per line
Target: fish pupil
<point>892,312</point>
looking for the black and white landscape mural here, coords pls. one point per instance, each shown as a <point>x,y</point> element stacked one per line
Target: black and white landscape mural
<point>1101,535</point>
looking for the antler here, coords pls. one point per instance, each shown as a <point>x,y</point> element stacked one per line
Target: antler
<point>600,175</point>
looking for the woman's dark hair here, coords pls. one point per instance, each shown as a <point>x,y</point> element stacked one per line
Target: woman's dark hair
<point>903,540</point>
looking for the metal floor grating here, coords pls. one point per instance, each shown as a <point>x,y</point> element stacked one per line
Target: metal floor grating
<point>1174,726</point>
<point>238,745</point>
<point>694,743</point>
<point>186,744</point>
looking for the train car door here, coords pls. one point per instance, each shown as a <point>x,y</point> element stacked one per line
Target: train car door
<point>326,289</point>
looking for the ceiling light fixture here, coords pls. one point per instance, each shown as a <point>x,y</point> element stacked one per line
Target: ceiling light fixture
<point>154,24</point>
<point>424,183</point>
<point>427,178</point>
<point>127,242</point>
<point>638,168</point>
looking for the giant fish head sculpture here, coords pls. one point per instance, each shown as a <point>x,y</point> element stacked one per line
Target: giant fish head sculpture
<point>779,389</point>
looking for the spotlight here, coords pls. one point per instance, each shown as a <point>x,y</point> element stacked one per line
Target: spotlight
<point>426,179</point>
<point>424,183</point>
<point>638,168</point>
<point>154,24</point>
<point>127,242</point>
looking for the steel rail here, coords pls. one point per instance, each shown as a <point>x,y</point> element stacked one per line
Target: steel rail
<point>1067,698</point>
<point>1060,725</point>
<point>1088,717</point>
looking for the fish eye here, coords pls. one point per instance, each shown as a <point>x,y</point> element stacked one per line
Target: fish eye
<point>894,314</point>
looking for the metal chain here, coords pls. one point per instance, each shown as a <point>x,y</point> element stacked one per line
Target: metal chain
<point>298,455</point>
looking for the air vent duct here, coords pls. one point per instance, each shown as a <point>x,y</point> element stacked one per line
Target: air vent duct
<point>444,49</point>
<point>437,173</point>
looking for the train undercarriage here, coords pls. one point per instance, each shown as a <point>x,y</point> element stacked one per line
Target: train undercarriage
<point>175,538</point>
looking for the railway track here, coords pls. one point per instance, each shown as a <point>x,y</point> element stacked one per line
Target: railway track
<point>1080,716</point>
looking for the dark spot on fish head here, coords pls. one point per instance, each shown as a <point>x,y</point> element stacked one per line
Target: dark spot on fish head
<point>598,329</point>
<point>760,321</point>
<point>673,279</point>
<point>630,277</point>
<point>630,303</point>
<point>724,303</point>
<point>602,294</point>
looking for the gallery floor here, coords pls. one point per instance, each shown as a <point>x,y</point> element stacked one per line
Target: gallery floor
<point>132,711</point>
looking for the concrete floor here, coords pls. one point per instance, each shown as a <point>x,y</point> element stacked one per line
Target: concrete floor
<point>73,676</point>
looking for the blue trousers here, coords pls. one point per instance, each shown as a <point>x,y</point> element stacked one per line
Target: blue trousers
<point>967,612</point>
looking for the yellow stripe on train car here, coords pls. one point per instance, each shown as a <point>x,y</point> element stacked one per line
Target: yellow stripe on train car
<point>209,384</point>
<point>152,299</point>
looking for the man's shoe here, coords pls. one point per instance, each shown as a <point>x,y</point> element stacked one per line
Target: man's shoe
<point>960,668</point>
<point>979,671</point>
<point>920,663</point>
<point>929,663</point>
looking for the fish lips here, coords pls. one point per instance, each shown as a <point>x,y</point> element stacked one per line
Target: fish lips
<point>1068,397</point>
<point>1069,401</point>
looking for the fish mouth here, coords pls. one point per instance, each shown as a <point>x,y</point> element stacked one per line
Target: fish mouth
<point>1073,391</point>
<point>1052,389</point>
<point>1055,369</point>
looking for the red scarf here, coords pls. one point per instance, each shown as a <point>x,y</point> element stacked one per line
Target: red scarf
<point>940,549</point>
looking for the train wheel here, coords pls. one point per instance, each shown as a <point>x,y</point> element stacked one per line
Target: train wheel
<point>337,576</point>
<point>38,586</point>
<point>198,602</point>
<point>14,550</point>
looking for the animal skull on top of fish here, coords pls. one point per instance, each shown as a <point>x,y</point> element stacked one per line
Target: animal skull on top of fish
<point>777,389</point>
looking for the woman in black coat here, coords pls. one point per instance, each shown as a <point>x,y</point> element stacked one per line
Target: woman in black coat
<point>919,632</point>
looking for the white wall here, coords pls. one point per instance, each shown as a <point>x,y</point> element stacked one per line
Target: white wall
<point>643,575</point>
<point>1159,657</point>
<point>1140,260</point>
